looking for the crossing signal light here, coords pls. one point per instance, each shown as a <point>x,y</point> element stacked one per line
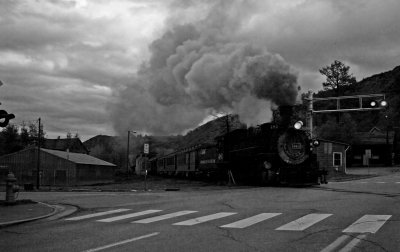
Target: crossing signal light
<point>382,103</point>
<point>5,118</point>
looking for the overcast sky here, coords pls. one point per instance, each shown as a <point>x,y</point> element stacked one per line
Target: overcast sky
<point>157,66</point>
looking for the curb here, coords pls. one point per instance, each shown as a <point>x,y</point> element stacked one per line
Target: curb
<point>56,209</point>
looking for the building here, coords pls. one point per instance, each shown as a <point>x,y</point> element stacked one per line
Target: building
<point>331,156</point>
<point>65,144</point>
<point>61,168</point>
<point>375,148</point>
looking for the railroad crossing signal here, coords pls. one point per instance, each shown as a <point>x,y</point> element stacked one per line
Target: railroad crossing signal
<point>146,148</point>
<point>362,104</point>
<point>5,118</point>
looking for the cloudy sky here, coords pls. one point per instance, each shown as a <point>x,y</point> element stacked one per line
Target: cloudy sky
<point>162,66</point>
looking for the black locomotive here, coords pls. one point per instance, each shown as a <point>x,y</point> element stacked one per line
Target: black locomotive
<point>272,153</point>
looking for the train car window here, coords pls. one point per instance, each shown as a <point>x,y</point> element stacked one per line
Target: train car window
<point>181,158</point>
<point>170,161</point>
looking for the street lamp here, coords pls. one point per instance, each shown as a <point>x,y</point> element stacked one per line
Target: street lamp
<point>127,151</point>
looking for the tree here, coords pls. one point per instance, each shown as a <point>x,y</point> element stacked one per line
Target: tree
<point>337,76</point>
<point>69,135</point>
<point>9,140</point>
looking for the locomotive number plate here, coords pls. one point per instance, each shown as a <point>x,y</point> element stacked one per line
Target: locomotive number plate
<point>296,146</point>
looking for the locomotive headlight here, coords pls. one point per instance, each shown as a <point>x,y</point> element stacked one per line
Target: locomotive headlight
<point>298,125</point>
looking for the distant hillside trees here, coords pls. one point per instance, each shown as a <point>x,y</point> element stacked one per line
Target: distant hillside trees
<point>341,132</point>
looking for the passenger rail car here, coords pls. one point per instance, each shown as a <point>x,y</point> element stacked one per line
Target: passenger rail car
<point>188,162</point>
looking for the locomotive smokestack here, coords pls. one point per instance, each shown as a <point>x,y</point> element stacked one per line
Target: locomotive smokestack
<point>285,113</point>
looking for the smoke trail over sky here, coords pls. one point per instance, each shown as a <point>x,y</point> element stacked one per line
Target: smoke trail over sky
<point>203,64</point>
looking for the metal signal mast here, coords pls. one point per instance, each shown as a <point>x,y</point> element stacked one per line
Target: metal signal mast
<point>366,102</point>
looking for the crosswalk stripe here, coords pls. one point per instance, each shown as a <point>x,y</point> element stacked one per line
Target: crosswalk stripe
<point>164,217</point>
<point>367,224</point>
<point>126,216</point>
<point>97,214</point>
<point>304,222</point>
<point>251,220</point>
<point>202,219</point>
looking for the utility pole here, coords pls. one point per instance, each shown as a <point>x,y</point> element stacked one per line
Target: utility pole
<point>127,155</point>
<point>38,159</point>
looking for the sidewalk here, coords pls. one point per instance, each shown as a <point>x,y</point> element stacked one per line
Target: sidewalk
<point>380,171</point>
<point>24,211</point>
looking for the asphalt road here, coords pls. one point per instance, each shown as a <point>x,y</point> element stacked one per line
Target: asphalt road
<point>351,216</point>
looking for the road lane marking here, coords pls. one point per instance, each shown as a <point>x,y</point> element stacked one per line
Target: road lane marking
<point>367,224</point>
<point>126,216</point>
<point>349,247</point>
<point>121,242</point>
<point>304,222</point>
<point>202,219</point>
<point>334,245</point>
<point>163,217</point>
<point>97,214</point>
<point>251,220</point>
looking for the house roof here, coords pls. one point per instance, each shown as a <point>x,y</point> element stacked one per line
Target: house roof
<point>374,137</point>
<point>78,158</point>
<point>330,141</point>
<point>64,144</point>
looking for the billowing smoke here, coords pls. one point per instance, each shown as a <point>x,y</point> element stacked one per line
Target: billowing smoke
<point>204,67</point>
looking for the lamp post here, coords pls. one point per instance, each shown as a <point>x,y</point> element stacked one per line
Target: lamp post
<point>127,151</point>
<point>38,157</point>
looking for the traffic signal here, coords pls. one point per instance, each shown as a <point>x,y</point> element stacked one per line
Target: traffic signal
<point>5,118</point>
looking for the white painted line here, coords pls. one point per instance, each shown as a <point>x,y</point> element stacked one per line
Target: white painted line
<point>97,214</point>
<point>367,224</point>
<point>121,242</point>
<point>251,220</point>
<point>164,217</point>
<point>397,182</point>
<point>126,216</point>
<point>202,219</point>
<point>334,245</point>
<point>349,247</point>
<point>304,222</point>
<point>381,182</point>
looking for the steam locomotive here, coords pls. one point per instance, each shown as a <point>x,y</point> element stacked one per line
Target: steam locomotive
<point>272,153</point>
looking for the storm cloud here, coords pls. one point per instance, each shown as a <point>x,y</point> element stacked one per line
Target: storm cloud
<point>102,67</point>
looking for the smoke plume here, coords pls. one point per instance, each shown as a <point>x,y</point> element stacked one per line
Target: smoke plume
<point>201,67</point>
